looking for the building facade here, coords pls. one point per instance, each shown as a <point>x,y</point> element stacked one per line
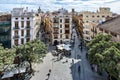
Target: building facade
<point>61,26</point>
<point>111,27</point>
<point>92,19</point>
<point>5,24</point>
<point>24,26</point>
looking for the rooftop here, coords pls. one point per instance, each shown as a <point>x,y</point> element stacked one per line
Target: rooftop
<point>21,12</point>
<point>112,25</point>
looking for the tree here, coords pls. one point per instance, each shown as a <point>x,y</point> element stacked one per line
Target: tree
<point>6,58</point>
<point>99,37</point>
<point>105,54</point>
<point>33,51</point>
<point>48,29</point>
<point>77,20</point>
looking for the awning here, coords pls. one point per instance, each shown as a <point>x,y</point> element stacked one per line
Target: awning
<point>64,46</point>
<point>19,70</point>
<point>11,73</point>
<point>8,75</point>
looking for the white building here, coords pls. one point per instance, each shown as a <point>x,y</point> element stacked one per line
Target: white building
<point>61,26</point>
<point>24,26</point>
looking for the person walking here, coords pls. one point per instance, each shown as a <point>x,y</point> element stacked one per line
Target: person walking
<point>81,47</point>
<point>79,68</point>
<point>49,70</point>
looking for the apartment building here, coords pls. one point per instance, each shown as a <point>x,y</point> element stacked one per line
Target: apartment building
<point>61,26</point>
<point>5,24</point>
<point>111,27</point>
<point>24,26</point>
<point>92,19</point>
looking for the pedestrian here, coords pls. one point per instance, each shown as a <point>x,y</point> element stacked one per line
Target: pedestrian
<point>48,74</point>
<point>72,61</point>
<point>87,55</point>
<point>81,48</point>
<point>79,68</point>
<point>49,70</point>
<point>66,60</point>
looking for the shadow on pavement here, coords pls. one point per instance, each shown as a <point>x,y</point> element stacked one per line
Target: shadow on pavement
<point>76,70</point>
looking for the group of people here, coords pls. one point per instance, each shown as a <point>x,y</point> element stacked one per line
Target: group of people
<point>62,52</point>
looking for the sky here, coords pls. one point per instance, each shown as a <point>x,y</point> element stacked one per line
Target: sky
<point>52,5</point>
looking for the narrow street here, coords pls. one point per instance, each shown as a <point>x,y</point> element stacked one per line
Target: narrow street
<point>85,71</point>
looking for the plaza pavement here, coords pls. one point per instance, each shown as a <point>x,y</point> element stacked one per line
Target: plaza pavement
<point>61,70</point>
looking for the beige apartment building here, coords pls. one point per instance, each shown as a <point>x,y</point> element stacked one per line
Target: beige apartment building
<point>92,19</point>
<point>24,26</point>
<point>61,26</point>
<point>111,27</point>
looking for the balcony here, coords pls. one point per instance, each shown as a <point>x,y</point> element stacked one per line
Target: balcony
<point>55,32</point>
<point>16,36</point>
<point>27,27</point>
<point>16,28</point>
<point>27,36</point>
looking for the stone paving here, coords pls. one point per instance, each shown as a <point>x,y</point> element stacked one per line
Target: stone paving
<point>62,70</point>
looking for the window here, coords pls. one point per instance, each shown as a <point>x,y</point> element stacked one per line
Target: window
<point>28,33</point>
<point>108,16</point>
<point>106,31</point>
<point>27,17</point>
<point>60,20</point>
<point>16,24</point>
<point>61,36</point>
<point>16,42</point>
<point>93,21</point>
<point>98,16</point>
<point>16,32</point>
<point>16,18</point>
<point>93,16</point>
<point>60,31</point>
<point>22,32</point>
<point>86,32</point>
<point>22,41</point>
<point>87,16</point>
<point>28,23</point>
<point>22,18</point>
<point>66,31</point>
<point>113,34</point>
<point>66,25</point>
<point>88,38</point>
<point>60,25</point>
<point>86,21</point>
<point>103,16</point>
<point>55,36</point>
<point>22,24</point>
<point>101,29</point>
<point>55,20</point>
<point>28,39</point>
<point>66,20</point>
<point>67,36</point>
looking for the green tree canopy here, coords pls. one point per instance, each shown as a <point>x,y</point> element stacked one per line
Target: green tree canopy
<point>105,54</point>
<point>6,58</point>
<point>32,51</point>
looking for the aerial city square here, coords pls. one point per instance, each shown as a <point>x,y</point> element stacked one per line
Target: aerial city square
<point>59,40</point>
